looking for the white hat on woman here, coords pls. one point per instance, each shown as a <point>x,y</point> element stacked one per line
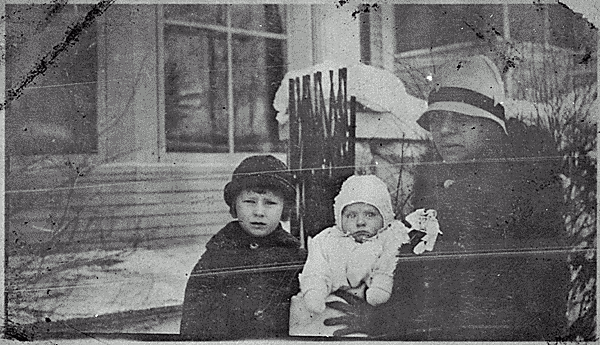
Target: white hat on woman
<point>470,86</point>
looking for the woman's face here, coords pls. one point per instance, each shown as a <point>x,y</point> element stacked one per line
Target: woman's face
<point>459,137</point>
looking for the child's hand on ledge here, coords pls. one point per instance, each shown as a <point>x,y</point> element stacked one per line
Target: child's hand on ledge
<point>377,296</point>
<point>314,301</point>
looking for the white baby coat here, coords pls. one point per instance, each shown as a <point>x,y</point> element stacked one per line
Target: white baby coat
<point>336,260</point>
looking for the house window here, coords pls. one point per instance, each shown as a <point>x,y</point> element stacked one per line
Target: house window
<point>55,113</point>
<point>434,27</point>
<point>536,46</point>
<point>222,67</point>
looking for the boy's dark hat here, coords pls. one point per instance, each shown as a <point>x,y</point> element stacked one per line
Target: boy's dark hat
<point>260,171</point>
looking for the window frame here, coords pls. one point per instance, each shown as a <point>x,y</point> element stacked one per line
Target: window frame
<point>229,30</point>
<point>382,31</point>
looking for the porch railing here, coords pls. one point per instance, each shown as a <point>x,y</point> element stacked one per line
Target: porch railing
<point>321,148</point>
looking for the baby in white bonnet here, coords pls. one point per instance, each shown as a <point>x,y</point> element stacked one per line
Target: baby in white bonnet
<point>359,253</point>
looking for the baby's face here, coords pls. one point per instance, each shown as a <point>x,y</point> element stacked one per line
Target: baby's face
<point>361,220</point>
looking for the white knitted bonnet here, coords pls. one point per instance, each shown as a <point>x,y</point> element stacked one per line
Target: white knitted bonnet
<point>369,189</point>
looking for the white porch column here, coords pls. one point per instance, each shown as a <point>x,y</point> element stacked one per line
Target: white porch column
<point>336,33</point>
<point>300,37</point>
<point>127,116</point>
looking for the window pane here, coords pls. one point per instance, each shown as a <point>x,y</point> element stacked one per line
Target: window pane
<point>56,112</point>
<point>196,90</point>
<point>430,26</point>
<point>567,61</point>
<point>527,23</point>
<point>206,14</point>
<point>569,30</point>
<point>268,18</point>
<point>258,69</point>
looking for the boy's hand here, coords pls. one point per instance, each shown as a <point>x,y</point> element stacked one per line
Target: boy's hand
<point>358,318</point>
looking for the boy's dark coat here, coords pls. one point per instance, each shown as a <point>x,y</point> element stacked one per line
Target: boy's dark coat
<point>241,305</point>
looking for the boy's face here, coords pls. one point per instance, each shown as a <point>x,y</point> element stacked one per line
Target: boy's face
<point>459,137</point>
<point>361,220</point>
<point>259,213</point>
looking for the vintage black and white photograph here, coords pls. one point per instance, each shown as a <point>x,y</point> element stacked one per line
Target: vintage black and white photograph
<point>280,171</point>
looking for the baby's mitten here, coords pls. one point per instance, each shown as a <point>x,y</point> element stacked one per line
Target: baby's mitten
<point>315,300</point>
<point>380,289</point>
<point>377,296</point>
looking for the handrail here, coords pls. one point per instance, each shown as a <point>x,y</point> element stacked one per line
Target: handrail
<point>297,265</point>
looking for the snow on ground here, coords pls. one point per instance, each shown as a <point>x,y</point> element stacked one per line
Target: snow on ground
<point>103,282</point>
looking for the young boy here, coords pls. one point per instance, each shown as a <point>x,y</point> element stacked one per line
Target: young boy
<point>222,305</point>
<point>359,253</point>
